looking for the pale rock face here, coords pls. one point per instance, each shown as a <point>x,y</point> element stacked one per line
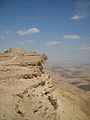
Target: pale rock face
<point>14,50</point>
<point>27,91</point>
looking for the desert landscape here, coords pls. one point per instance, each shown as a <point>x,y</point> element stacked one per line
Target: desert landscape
<point>33,90</point>
<point>44,59</point>
<point>72,83</point>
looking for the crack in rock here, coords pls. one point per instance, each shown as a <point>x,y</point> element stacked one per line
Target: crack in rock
<point>53,101</point>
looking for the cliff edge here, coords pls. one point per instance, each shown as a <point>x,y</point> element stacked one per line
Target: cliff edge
<point>26,90</point>
<point>28,93</point>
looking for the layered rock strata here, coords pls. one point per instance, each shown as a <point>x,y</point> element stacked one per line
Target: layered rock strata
<point>26,91</point>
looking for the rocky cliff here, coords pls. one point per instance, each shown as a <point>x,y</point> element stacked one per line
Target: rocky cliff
<point>27,91</point>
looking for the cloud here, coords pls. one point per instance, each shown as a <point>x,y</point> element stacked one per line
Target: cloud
<point>83,3</point>
<point>26,42</point>
<point>18,20</point>
<point>28,31</point>
<point>83,7</point>
<point>81,48</point>
<point>71,37</point>
<point>8,31</point>
<point>76,17</point>
<point>2,37</point>
<point>53,43</point>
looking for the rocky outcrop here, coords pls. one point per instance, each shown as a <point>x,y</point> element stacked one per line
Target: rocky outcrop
<point>28,93</point>
<point>27,89</point>
<point>14,50</point>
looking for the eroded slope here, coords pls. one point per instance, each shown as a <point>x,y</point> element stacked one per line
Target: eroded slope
<point>26,91</point>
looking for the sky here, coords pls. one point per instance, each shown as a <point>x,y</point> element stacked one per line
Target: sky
<point>59,28</point>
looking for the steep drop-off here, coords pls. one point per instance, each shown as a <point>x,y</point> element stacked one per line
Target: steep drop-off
<point>27,92</point>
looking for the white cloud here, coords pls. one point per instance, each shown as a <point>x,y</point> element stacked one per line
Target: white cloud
<point>2,37</point>
<point>30,41</point>
<point>18,20</point>
<point>71,37</point>
<point>26,42</point>
<point>8,31</point>
<point>76,17</point>
<point>53,43</point>
<point>83,3</point>
<point>28,31</point>
<point>83,8</point>
<point>21,43</point>
<point>81,48</point>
